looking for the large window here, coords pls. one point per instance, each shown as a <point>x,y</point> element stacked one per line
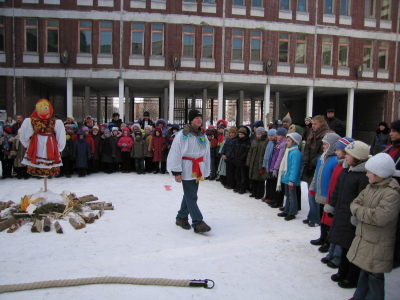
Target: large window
<point>237,44</point>
<point>85,37</point>
<point>1,34</point>
<point>284,4</point>
<point>209,1</point>
<point>255,51</point>
<point>207,50</point>
<point>31,35</point>
<point>188,41</point>
<point>157,39</point>
<point>301,46</point>
<point>385,9</point>
<point>327,51</point>
<point>383,55</point>
<point>368,51</point>
<point>256,3</point>
<point>105,37</point>
<point>328,6</point>
<point>284,47</point>
<point>301,5</point>
<point>345,7</point>
<point>137,38</point>
<point>370,9</point>
<point>343,52</point>
<point>52,36</point>
<point>238,2</point>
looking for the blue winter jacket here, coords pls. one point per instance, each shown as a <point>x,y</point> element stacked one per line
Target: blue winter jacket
<point>322,177</point>
<point>228,148</point>
<point>82,153</point>
<point>293,173</point>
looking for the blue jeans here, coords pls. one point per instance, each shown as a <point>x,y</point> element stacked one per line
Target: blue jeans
<point>334,254</point>
<point>189,202</point>
<point>291,200</point>
<point>313,215</point>
<point>370,286</point>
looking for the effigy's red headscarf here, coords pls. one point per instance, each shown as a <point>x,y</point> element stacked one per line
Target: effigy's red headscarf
<point>43,110</point>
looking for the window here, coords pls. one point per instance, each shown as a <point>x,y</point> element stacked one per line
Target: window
<point>284,4</point>
<point>255,51</point>
<point>328,6</point>
<point>1,34</point>
<point>368,54</point>
<point>301,46</point>
<point>189,0</point>
<point>345,7</point>
<point>284,47</point>
<point>85,36</point>
<point>256,3</point>
<point>237,44</point>
<point>207,50</point>
<point>301,5</point>
<point>383,55</point>
<point>52,36</point>
<point>209,1</point>
<point>370,9</point>
<point>137,38</point>
<point>343,52</point>
<point>188,41</point>
<point>105,37</point>
<point>327,51</point>
<point>31,35</point>
<point>238,2</point>
<point>157,39</point>
<point>385,9</point>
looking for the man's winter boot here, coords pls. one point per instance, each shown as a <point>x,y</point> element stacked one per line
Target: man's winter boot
<point>201,227</point>
<point>183,223</point>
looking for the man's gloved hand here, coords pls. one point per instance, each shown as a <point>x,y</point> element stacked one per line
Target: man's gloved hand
<point>291,185</point>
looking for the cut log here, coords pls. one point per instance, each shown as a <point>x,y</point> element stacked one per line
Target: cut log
<point>102,207</point>
<point>99,204</point>
<point>15,226</point>
<point>99,214</point>
<point>75,223</point>
<point>82,221</point>
<point>91,218</point>
<point>37,226</point>
<point>88,198</point>
<point>7,223</point>
<point>58,227</point>
<point>86,219</point>
<point>46,224</point>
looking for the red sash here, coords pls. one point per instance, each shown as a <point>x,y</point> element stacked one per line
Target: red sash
<point>196,172</point>
<point>52,150</point>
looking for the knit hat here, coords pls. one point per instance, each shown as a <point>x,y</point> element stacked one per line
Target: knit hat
<point>243,130</point>
<point>277,124</point>
<point>258,124</point>
<point>115,115</point>
<point>137,126</point>
<point>233,129</point>
<point>287,119</point>
<point>358,150</point>
<point>296,128</point>
<point>295,137</point>
<point>95,127</point>
<point>343,142</point>
<point>104,126</point>
<point>211,126</point>
<point>309,119</point>
<point>382,165</point>
<point>146,114</point>
<point>85,129</point>
<point>81,133</point>
<point>331,139</point>
<point>260,130</point>
<point>107,131</point>
<point>75,127</point>
<point>7,129</point>
<point>139,133</point>
<point>330,110</point>
<point>148,126</point>
<point>222,124</point>
<point>209,132</point>
<point>57,116</point>
<point>272,132</point>
<point>114,129</point>
<point>395,125</point>
<point>281,131</point>
<point>193,114</point>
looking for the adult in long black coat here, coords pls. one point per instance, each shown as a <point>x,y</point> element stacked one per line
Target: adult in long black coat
<point>334,123</point>
<point>17,125</point>
<point>146,120</point>
<point>116,120</point>
<point>239,156</point>
<point>381,139</point>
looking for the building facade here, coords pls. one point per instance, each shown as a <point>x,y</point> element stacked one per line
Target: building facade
<point>278,56</point>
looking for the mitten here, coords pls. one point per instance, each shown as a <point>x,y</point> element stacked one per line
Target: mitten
<point>275,173</point>
<point>291,185</point>
<point>329,209</point>
<point>312,193</point>
<point>262,171</point>
<point>354,221</point>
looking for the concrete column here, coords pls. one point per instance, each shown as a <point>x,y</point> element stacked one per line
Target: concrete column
<point>204,108</point>
<point>253,110</point>
<point>98,113</point>
<point>132,107</point>
<point>70,90</point>
<point>239,120</point>
<point>165,104</point>
<point>350,111</point>
<point>310,99</point>
<point>121,98</point>
<point>171,102</point>
<point>276,106</point>
<point>87,101</point>
<point>220,100</point>
<point>105,109</point>
<point>267,100</point>
<point>127,100</point>
<point>224,108</point>
<point>193,101</point>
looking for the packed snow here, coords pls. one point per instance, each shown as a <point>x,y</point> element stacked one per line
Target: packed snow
<point>250,252</point>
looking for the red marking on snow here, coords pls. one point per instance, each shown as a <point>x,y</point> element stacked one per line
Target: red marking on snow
<point>167,188</point>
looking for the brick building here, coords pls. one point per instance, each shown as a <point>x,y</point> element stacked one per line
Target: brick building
<point>125,48</point>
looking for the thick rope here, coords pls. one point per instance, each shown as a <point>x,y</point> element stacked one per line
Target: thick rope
<point>101,280</point>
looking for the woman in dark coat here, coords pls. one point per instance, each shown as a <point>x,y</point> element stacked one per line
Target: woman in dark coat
<point>108,152</point>
<point>239,155</point>
<point>82,154</point>
<point>381,139</point>
<point>226,154</point>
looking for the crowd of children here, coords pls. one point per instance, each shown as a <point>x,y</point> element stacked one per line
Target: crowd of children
<point>352,196</point>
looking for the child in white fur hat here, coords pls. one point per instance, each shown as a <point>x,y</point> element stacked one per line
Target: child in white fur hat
<point>375,212</point>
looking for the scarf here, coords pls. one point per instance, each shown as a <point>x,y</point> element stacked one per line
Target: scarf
<point>6,145</point>
<point>191,131</point>
<point>314,135</point>
<point>283,166</point>
<point>268,155</point>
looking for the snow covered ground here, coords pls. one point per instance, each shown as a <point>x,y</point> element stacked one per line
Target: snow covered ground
<point>250,252</point>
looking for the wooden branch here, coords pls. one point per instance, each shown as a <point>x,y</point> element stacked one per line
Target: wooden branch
<point>7,223</point>
<point>21,214</point>
<point>75,223</point>
<point>86,219</point>
<point>99,214</point>
<point>99,204</point>
<point>46,224</point>
<point>37,226</point>
<point>15,226</point>
<point>91,218</point>
<point>88,198</point>
<point>102,207</point>
<point>82,221</point>
<point>58,227</point>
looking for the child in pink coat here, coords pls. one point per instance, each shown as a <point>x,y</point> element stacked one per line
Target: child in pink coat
<point>125,143</point>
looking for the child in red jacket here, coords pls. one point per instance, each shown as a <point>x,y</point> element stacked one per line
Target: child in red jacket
<point>158,145</point>
<point>125,143</point>
<point>90,140</point>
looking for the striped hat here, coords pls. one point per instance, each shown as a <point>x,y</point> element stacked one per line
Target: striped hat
<point>342,143</point>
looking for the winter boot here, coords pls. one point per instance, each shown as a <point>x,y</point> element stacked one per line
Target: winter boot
<point>183,223</point>
<point>201,227</point>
